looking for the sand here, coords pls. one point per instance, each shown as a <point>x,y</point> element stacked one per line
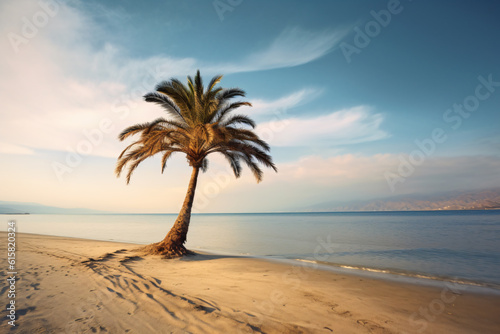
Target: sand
<point>69,285</point>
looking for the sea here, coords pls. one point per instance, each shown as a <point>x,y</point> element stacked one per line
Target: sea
<point>456,246</point>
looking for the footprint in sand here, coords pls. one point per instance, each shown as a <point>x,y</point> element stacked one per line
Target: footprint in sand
<point>372,326</point>
<point>340,312</point>
<point>346,314</point>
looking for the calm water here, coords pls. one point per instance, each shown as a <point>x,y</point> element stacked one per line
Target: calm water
<point>459,245</point>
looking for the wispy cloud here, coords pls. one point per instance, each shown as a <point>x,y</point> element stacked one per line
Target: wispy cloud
<point>294,46</point>
<point>284,103</point>
<point>349,126</point>
<point>66,79</point>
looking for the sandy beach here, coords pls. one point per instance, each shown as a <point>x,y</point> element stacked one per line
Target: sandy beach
<point>68,285</point>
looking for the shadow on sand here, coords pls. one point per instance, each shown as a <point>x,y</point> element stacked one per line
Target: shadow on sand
<point>200,256</point>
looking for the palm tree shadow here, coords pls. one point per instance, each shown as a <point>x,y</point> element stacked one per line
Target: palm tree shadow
<point>195,257</point>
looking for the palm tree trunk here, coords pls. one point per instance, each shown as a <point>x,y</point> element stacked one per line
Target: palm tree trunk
<point>173,244</point>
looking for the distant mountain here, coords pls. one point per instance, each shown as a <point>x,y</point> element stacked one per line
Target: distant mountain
<point>9,210</point>
<point>467,200</point>
<point>35,208</point>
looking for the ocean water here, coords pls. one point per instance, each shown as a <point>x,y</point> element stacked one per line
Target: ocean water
<point>445,245</point>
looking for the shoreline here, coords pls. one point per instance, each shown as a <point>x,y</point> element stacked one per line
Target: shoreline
<point>384,274</point>
<point>78,285</point>
<point>263,213</point>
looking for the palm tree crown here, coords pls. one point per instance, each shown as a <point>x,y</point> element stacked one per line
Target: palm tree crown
<point>200,122</point>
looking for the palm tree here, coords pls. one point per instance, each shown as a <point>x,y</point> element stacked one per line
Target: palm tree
<point>199,123</point>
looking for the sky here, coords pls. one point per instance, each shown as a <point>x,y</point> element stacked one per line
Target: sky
<point>359,100</point>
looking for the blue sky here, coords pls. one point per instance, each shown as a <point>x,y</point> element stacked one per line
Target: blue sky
<point>343,124</point>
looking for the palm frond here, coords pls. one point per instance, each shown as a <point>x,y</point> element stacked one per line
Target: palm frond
<point>199,123</point>
<point>168,153</point>
<point>198,81</point>
<point>249,136</point>
<point>132,130</point>
<point>166,102</point>
<point>230,93</point>
<point>126,149</point>
<point>238,119</point>
<point>128,157</point>
<point>227,108</point>
<point>234,162</point>
<point>164,123</point>
<point>134,165</point>
<point>215,80</point>
<point>257,172</point>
